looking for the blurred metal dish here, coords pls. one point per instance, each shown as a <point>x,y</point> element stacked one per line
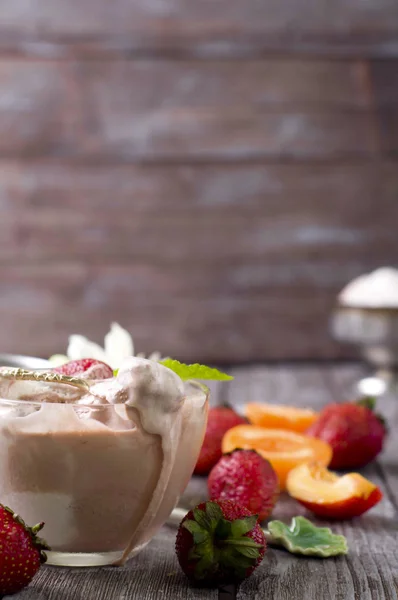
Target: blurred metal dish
<point>24,362</point>
<point>374,331</point>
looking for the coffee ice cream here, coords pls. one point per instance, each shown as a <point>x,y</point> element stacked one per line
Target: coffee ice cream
<point>104,466</point>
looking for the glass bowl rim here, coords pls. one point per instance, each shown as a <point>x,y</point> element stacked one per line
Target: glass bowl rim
<point>201,387</point>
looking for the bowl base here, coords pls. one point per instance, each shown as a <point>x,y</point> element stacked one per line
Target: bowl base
<point>87,559</point>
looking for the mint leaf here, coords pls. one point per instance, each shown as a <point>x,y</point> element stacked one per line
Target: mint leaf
<point>195,371</point>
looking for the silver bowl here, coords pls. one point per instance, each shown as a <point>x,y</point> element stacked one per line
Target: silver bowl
<point>24,362</point>
<point>373,330</point>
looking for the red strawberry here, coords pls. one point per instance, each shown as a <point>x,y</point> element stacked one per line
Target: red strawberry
<point>89,368</point>
<point>355,433</point>
<point>21,552</point>
<point>219,542</point>
<point>220,419</point>
<point>246,478</point>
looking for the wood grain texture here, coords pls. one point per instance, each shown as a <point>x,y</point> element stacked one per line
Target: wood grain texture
<point>170,310</point>
<point>43,190</point>
<point>149,111</point>
<point>384,76</point>
<point>230,28</point>
<point>37,109</point>
<point>151,86</point>
<point>369,572</point>
<point>184,111</point>
<point>198,262</point>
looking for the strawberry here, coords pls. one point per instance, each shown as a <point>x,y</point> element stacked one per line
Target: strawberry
<point>220,419</point>
<point>21,552</point>
<point>246,478</point>
<point>89,368</point>
<point>219,542</point>
<point>355,433</point>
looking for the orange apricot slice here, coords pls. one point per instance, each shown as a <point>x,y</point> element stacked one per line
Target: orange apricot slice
<point>283,448</point>
<point>280,417</point>
<point>327,495</point>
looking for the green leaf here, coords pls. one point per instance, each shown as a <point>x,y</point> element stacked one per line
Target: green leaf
<point>223,529</point>
<point>244,542</point>
<point>303,537</point>
<point>205,565</point>
<point>248,552</point>
<point>201,536</point>
<point>193,555</point>
<point>192,526</point>
<point>214,511</point>
<point>115,372</point>
<point>368,402</point>
<point>195,371</point>
<point>236,561</point>
<point>201,518</point>
<point>242,526</point>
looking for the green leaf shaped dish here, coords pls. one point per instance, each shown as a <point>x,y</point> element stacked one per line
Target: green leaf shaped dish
<point>303,537</point>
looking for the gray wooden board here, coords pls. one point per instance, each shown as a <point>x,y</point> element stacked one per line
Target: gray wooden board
<point>370,572</point>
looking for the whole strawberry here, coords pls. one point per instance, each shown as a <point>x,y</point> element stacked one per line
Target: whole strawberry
<point>220,419</point>
<point>21,552</point>
<point>354,431</point>
<point>89,368</point>
<point>219,542</point>
<point>247,478</point>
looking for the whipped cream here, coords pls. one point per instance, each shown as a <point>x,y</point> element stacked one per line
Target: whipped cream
<point>378,289</point>
<point>156,393</point>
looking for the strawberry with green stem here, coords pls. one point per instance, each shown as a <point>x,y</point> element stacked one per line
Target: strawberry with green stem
<point>354,431</point>
<point>219,542</point>
<point>22,552</point>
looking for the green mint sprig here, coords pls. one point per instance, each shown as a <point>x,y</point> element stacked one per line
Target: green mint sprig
<point>195,371</point>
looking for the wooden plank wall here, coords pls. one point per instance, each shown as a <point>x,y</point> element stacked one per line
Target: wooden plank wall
<point>209,174</point>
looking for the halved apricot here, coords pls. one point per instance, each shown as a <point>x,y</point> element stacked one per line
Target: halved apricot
<point>278,416</point>
<point>327,495</point>
<point>284,449</point>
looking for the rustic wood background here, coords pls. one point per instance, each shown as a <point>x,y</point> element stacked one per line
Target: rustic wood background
<point>209,174</point>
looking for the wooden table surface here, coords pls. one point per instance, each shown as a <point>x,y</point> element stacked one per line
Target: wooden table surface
<point>369,572</point>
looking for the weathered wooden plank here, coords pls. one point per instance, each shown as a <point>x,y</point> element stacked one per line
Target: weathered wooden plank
<point>129,124</point>
<point>200,29</point>
<point>296,215</point>
<point>118,134</point>
<point>370,570</point>
<point>144,86</point>
<point>201,238</point>
<point>164,111</point>
<point>174,311</point>
<point>269,254</point>
<point>108,192</point>
<point>38,109</point>
<point>384,77</point>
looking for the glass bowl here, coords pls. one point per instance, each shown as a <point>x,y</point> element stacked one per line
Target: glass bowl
<point>102,484</point>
